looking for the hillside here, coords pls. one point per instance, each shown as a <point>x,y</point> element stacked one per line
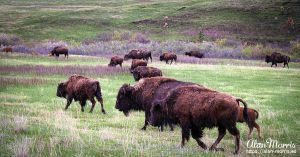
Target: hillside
<point>75,21</point>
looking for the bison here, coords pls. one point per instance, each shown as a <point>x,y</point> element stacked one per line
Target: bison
<point>7,49</point>
<point>139,54</point>
<point>168,56</point>
<point>137,62</point>
<point>141,95</point>
<point>80,89</point>
<point>143,72</point>
<point>115,60</point>
<point>196,108</point>
<point>252,116</point>
<point>196,54</point>
<point>59,50</point>
<point>278,58</point>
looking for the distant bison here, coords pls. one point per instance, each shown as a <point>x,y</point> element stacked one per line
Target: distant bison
<point>278,58</point>
<point>59,50</point>
<point>168,56</point>
<point>143,72</point>
<point>80,89</point>
<point>137,62</point>
<point>196,108</point>
<point>115,60</point>
<point>141,95</point>
<point>139,54</point>
<point>7,49</point>
<point>196,54</point>
<point>252,116</point>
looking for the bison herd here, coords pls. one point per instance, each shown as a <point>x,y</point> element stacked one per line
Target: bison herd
<point>167,101</point>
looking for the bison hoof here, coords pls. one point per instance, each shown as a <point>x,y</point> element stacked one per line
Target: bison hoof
<point>143,128</point>
<point>236,152</point>
<point>103,111</point>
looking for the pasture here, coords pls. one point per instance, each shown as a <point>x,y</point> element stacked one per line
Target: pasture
<point>34,123</point>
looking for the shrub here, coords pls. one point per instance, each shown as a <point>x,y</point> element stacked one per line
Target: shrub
<point>9,40</point>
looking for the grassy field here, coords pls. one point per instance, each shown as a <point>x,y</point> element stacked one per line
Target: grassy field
<point>34,123</point>
<point>75,21</point>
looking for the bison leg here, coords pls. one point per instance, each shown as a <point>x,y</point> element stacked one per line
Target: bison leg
<point>69,101</point>
<point>99,98</point>
<point>146,120</point>
<point>82,104</point>
<point>258,129</point>
<point>93,104</point>
<point>236,133</point>
<point>197,134</point>
<point>222,132</point>
<point>250,132</point>
<point>171,127</point>
<point>185,133</point>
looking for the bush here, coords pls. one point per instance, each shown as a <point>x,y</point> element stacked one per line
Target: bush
<point>9,40</point>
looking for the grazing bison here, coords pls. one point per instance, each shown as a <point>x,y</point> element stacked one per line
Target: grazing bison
<point>143,72</point>
<point>137,62</point>
<point>141,95</point>
<point>59,50</point>
<point>278,58</point>
<point>196,108</point>
<point>7,49</point>
<point>196,54</point>
<point>252,116</point>
<point>139,54</point>
<point>115,60</point>
<point>168,56</point>
<point>80,89</point>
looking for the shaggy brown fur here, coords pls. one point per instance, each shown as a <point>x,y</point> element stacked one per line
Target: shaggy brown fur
<point>252,116</point>
<point>80,89</point>
<point>59,50</point>
<point>278,58</point>
<point>139,54</point>
<point>115,60</point>
<point>168,56</point>
<point>141,95</point>
<point>143,72</point>
<point>196,108</point>
<point>7,49</point>
<point>137,62</point>
<point>196,54</point>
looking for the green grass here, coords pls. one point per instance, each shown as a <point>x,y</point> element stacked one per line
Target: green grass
<point>74,20</point>
<point>274,92</point>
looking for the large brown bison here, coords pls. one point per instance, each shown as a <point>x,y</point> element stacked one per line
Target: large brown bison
<point>115,60</point>
<point>137,62</point>
<point>59,50</point>
<point>139,54</point>
<point>196,108</point>
<point>7,49</point>
<point>143,72</point>
<point>252,116</point>
<point>196,54</point>
<point>80,89</point>
<point>168,56</point>
<point>278,58</point>
<point>141,95</point>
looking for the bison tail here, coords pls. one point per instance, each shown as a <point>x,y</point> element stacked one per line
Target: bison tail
<point>245,111</point>
<point>98,93</point>
<point>256,114</point>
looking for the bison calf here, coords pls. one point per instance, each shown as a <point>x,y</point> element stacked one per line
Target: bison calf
<point>143,72</point>
<point>252,116</point>
<point>80,89</point>
<point>168,56</point>
<point>137,62</point>
<point>196,108</point>
<point>7,49</point>
<point>115,60</point>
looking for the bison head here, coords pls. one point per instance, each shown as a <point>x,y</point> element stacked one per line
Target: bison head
<point>136,75</point>
<point>268,59</point>
<point>124,102</point>
<point>161,57</point>
<point>61,90</point>
<point>156,116</point>
<point>126,57</point>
